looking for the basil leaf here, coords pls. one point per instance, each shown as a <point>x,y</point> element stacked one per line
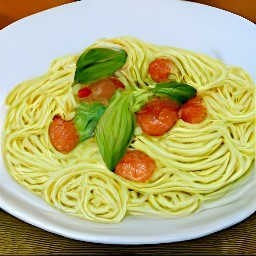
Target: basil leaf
<point>115,129</point>
<point>98,63</point>
<point>97,71</point>
<point>178,92</point>
<point>86,118</point>
<point>96,55</point>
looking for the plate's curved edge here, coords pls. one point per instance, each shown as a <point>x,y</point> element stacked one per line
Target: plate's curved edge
<point>123,240</point>
<point>222,10</point>
<point>86,2</point>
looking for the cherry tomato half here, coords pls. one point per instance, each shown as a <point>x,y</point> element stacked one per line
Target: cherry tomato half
<point>158,116</point>
<point>136,166</point>
<point>193,111</point>
<point>160,70</point>
<point>63,135</point>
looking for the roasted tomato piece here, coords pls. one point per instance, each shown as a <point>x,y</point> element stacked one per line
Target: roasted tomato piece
<point>158,116</point>
<point>193,111</point>
<point>101,90</point>
<point>160,70</point>
<point>63,135</point>
<point>136,166</point>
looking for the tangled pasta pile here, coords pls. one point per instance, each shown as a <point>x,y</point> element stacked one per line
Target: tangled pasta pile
<point>194,162</point>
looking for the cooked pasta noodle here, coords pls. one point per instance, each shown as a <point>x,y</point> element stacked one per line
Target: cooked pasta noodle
<point>194,162</point>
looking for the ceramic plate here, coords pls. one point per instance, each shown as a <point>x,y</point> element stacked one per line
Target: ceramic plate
<point>27,48</point>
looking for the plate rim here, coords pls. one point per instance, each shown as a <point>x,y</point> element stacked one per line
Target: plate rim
<point>13,212</point>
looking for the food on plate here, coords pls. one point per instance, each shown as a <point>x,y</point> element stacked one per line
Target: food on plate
<point>193,111</point>
<point>158,116</point>
<point>63,135</point>
<point>160,70</point>
<point>131,128</point>
<point>136,166</point>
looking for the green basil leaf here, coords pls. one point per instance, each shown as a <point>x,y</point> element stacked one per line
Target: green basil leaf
<point>98,63</point>
<point>86,118</point>
<point>96,55</point>
<point>115,129</point>
<point>178,92</point>
<point>98,71</point>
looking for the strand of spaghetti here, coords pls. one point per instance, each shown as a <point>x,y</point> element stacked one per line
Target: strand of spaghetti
<point>195,162</point>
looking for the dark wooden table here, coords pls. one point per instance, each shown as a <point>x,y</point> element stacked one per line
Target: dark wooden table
<point>19,238</point>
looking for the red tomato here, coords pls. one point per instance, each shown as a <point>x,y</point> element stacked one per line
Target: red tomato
<point>158,116</point>
<point>193,111</point>
<point>117,82</point>
<point>160,70</point>
<point>84,92</point>
<point>103,89</point>
<point>136,166</point>
<point>63,135</point>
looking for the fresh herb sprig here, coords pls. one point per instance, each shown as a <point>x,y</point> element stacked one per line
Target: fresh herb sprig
<point>98,63</point>
<point>86,118</point>
<point>115,129</point>
<point>178,92</point>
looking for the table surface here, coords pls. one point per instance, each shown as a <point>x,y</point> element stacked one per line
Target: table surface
<point>17,237</point>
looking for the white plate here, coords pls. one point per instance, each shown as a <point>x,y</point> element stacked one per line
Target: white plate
<point>28,46</point>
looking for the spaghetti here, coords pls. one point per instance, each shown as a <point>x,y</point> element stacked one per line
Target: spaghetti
<point>194,162</point>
